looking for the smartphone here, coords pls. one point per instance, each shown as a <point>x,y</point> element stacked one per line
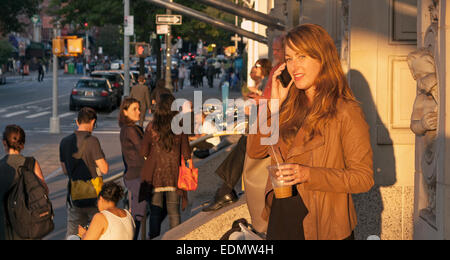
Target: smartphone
<point>285,78</point>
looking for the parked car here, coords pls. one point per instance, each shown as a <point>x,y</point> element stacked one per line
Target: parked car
<point>116,64</point>
<point>93,92</point>
<point>133,80</point>
<point>114,78</point>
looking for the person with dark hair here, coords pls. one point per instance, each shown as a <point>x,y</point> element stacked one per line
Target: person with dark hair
<point>157,92</point>
<point>13,143</point>
<point>210,71</point>
<point>163,150</point>
<point>111,223</point>
<point>174,76</point>
<point>131,136</point>
<point>83,161</point>
<point>260,74</point>
<point>142,94</point>
<point>40,71</point>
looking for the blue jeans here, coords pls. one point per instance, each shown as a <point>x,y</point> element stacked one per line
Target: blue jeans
<point>163,204</point>
<point>78,216</point>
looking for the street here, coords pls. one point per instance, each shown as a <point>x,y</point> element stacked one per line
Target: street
<point>28,103</point>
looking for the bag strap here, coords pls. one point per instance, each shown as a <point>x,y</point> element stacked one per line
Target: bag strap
<point>29,163</point>
<point>77,156</point>
<point>80,152</point>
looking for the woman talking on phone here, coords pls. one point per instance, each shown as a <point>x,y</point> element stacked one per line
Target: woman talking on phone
<point>324,137</point>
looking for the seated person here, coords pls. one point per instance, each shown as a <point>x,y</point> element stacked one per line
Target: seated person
<point>111,223</point>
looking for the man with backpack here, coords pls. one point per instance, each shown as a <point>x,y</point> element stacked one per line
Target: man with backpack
<point>83,161</point>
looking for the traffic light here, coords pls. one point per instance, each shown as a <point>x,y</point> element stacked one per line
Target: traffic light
<point>58,46</point>
<point>142,49</point>
<point>75,46</point>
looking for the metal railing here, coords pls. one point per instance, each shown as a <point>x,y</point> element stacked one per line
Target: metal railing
<point>191,144</point>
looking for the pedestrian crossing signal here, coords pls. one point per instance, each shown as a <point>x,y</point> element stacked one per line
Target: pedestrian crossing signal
<point>142,49</point>
<point>75,46</point>
<point>67,46</point>
<point>58,46</point>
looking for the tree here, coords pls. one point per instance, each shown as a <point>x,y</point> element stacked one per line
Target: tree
<point>100,13</point>
<point>13,10</point>
<point>5,51</point>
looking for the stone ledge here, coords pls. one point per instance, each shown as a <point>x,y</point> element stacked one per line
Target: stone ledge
<point>209,225</point>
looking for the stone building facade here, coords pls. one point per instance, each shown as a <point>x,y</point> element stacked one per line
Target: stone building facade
<point>375,39</point>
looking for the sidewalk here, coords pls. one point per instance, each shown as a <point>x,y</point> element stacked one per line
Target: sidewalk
<point>16,77</point>
<point>45,148</point>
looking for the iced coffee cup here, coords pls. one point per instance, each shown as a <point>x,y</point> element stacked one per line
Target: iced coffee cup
<point>280,188</point>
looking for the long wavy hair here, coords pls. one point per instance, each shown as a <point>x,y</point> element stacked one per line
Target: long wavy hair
<point>162,121</point>
<point>331,85</point>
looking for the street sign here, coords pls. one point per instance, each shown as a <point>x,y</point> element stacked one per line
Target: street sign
<point>162,29</point>
<point>171,19</point>
<point>128,23</point>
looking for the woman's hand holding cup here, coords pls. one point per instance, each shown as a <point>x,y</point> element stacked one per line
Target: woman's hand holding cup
<point>292,174</point>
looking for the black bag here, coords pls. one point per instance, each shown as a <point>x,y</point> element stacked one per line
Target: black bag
<point>30,211</point>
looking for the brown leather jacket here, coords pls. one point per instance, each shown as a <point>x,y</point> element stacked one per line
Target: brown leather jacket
<point>341,164</point>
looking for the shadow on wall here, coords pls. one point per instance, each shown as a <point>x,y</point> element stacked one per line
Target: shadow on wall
<point>369,206</point>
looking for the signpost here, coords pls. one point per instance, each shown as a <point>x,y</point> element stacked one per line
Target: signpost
<point>129,25</point>
<point>126,46</point>
<point>162,29</point>
<point>172,19</point>
<point>164,21</point>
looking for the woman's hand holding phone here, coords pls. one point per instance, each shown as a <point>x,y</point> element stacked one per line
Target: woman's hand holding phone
<point>278,90</point>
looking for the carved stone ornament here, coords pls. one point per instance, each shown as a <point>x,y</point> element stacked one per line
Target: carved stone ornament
<point>424,118</point>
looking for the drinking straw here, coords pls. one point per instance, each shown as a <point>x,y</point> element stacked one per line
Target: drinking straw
<point>275,154</point>
<point>276,159</point>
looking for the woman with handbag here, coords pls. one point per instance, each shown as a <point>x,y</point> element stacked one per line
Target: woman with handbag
<point>131,136</point>
<point>163,151</point>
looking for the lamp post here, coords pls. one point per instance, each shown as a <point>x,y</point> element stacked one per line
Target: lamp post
<point>126,53</point>
<point>168,53</point>
<point>54,120</point>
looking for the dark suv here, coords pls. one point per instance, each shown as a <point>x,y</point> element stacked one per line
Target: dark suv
<point>114,78</point>
<point>94,92</point>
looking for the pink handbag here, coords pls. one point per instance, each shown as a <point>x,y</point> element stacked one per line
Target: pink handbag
<point>187,177</point>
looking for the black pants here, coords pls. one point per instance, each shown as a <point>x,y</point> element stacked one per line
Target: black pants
<point>163,204</point>
<point>230,171</point>
<point>286,218</point>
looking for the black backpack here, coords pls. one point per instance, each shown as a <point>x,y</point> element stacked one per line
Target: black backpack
<point>30,211</point>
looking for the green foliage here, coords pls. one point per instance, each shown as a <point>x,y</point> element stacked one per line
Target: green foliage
<point>5,51</point>
<point>111,40</point>
<point>104,12</point>
<point>12,11</point>
<point>95,13</point>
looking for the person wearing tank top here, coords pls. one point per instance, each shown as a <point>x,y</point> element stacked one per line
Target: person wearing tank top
<point>111,223</point>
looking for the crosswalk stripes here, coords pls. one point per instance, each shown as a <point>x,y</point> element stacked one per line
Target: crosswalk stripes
<point>32,116</point>
<point>38,114</point>
<point>66,114</point>
<point>16,113</point>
